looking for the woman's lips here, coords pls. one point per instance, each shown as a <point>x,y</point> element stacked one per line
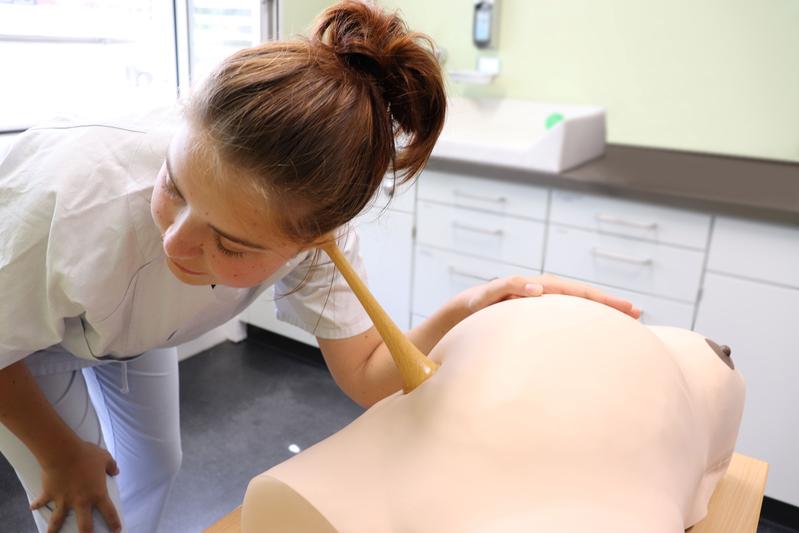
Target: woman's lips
<point>184,269</point>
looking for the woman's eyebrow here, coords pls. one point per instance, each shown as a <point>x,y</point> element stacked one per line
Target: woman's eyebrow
<point>238,240</point>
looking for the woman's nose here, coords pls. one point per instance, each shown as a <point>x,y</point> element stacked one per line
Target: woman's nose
<point>183,240</point>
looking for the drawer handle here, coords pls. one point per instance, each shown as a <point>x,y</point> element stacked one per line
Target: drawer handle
<point>621,257</point>
<point>610,219</point>
<point>458,225</point>
<point>455,272</point>
<point>495,199</point>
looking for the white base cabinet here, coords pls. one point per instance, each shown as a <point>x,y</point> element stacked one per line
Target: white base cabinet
<point>261,313</point>
<point>386,239</point>
<point>760,322</point>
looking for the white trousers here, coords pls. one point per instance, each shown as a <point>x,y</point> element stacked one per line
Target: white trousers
<point>131,409</point>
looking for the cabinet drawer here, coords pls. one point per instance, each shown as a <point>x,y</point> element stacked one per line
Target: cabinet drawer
<point>441,275</point>
<point>655,311</point>
<point>758,250</point>
<point>627,263</point>
<point>496,196</point>
<point>501,238</point>
<point>631,219</point>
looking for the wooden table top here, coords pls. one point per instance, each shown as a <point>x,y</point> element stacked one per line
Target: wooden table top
<point>734,507</point>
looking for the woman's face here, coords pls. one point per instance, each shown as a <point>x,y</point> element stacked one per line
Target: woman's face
<point>213,231</point>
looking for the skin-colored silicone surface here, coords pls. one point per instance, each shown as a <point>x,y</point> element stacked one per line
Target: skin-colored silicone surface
<point>547,414</point>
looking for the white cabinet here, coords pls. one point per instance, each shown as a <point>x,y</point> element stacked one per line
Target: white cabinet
<point>471,230</point>
<point>505,198</point>
<point>641,220</point>
<point>440,275</point>
<point>757,250</point>
<point>634,264</point>
<point>261,313</point>
<point>760,322</point>
<point>501,238</point>
<point>387,247</point>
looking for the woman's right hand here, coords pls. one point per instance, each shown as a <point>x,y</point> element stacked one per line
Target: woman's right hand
<point>77,480</point>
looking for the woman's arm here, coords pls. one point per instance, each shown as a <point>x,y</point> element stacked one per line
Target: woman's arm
<point>362,365</point>
<point>73,471</point>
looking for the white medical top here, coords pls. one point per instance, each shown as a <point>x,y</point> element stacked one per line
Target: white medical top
<point>82,268</point>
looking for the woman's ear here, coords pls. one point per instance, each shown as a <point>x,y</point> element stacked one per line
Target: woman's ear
<point>322,240</point>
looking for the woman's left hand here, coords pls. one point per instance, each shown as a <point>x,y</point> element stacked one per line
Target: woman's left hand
<point>511,287</point>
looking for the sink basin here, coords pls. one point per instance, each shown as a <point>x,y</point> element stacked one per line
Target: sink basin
<point>521,134</point>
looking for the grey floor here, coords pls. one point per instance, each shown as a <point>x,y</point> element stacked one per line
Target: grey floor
<point>242,406</point>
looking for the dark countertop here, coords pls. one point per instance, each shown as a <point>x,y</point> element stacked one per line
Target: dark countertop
<point>753,188</point>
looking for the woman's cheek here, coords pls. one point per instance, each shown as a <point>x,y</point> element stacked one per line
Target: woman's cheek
<point>240,272</point>
<point>162,211</point>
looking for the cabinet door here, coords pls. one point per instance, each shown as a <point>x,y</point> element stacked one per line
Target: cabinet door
<point>759,322</point>
<point>756,250</point>
<point>386,247</point>
<point>262,314</point>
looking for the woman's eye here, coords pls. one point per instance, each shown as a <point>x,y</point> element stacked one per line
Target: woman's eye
<point>170,188</point>
<point>227,251</point>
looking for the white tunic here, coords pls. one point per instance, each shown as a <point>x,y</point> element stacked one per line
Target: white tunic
<point>82,268</point>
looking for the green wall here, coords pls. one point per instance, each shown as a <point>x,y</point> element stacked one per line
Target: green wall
<point>297,15</point>
<point>717,76</point>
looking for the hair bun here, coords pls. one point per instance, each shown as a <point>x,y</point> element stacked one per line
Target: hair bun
<point>399,64</point>
<point>363,37</point>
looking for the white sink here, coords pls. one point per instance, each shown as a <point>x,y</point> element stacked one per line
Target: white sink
<point>521,134</point>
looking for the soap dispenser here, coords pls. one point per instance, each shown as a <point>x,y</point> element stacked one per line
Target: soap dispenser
<point>485,27</point>
<point>484,36</point>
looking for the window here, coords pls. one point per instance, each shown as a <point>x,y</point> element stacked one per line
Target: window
<point>76,56</point>
<point>217,28</point>
<point>72,55</point>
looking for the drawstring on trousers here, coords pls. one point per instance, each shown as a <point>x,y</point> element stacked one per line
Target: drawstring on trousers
<point>125,388</point>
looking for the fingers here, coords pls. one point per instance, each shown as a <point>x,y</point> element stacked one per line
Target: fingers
<point>554,285</point>
<point>111,468</point>
<point>57,518</point>
<point>109,514</point>
<point>521,286</point>
<point>84,514</point>
<point>41,501</point>
<point>511,287</point>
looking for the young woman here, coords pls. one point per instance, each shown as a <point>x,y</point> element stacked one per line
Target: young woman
<point>120,240</point>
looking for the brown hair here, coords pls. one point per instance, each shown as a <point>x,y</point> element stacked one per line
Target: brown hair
<point>321,120</point>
